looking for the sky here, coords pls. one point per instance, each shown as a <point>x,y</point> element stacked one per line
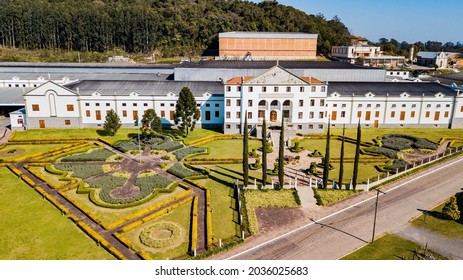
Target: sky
<point>403,20</point>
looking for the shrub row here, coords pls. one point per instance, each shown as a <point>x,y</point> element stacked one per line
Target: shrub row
<point>156,214</point>
<point>60,151</point>
<point>182,172</point>
<point>189,151</point>
<point>396,164</point>
<point>98,238</point>
<point>201,169</point>
<point>81,171</point>
<point>41,177</point>
<point>153,207</point>
<point>52,200</point>
<point>94,155</point>
<point>194,224</point>
<point>142,254</point>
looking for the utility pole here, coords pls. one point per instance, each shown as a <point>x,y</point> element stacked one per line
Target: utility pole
<point>376,211</point>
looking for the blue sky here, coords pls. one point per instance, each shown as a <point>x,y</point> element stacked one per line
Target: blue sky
<point>403,20</point>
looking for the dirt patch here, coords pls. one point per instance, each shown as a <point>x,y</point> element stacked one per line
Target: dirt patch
<point>126,191</point>
<point>278,218</point>
<point>162,234</point>
<point>11,152</point>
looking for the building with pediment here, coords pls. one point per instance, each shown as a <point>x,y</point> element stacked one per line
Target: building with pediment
<point>304,103</point>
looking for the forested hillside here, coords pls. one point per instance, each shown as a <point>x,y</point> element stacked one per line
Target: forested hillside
<point>169,27</point>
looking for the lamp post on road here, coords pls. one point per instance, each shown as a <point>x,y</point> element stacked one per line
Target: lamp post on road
<point>376,211</point>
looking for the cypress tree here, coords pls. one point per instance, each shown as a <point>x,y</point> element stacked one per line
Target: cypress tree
<point>326,161</point>
<point>341,161</point>
<point>264,153</point>
<point>281,157</point>
<point>245,152</point>
<point>357,156</point>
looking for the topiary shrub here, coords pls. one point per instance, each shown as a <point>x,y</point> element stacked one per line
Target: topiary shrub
<point>296,148</point>
<point>316,153</point>
<point>161,235</point>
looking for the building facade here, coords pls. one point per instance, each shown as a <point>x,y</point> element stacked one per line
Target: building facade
<point>366,55</point>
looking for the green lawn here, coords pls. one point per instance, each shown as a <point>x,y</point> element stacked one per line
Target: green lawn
<point>335,148</point>
<point>228,148</point>
<point>366,170</point>
<point>194,135</point>
<point>26,150</point>
<point>34,229</point>
<point>447,228</point>
<point>235,171</point>
<point>108,215</point>
<point>181,217</point>
<point>389,247</point>
<point>44,134</point>
<point>329,196</point>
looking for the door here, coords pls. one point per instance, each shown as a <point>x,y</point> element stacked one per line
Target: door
<point>376,123</point>
<point>98,115</point>
<point>273,116</point>
<point>41,123</point>
<point>334,115</point>
<point>402,115</point>
<point>135,115</point>
<point>367,115</point>
<point>436,116</point>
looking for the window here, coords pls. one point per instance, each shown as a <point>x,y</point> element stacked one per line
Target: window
<point>238,88</point>
<point>238,126</point>
<point>359,105</point>
<point>392,114</point>
<point>275,89</point>
<point>238,115</point>
<point>97,104</point>
<point>228,88</point>
<point>378,105</point>
<point>368,105</point>
<point>264,89</point>
<point>322,102</point>
<point>300,115</point>
<point>35,107</point>
<point>288,89</point>
<point>163,114</point>
<point>217,114</point>
<point>134,115</point>
<point>310,126</point>
<point>359,114</point>
<point>67,122</point>
<point>250,103</point>
<point>125,104</point>
<point>208,105</point>
<point>107,104</point>
<point>227,126</point>
<point>412,114</point>
<point>98,115</point>
<point>461,109</point>
<point>301,89</point>
<point>428,114</point>
<point>428,106</point>
<point>436,116</point>
<point>299,126</point>
<point>343,114</point>
<point>145,104</point>
<point>320,126</point>
<point>320,115</point>
<point>70,108</point>
<point>87,113</point>
<point>228,102</point>
<point>311,115</point>
<point>404,105</point>
<point>238,102</point>
<point>413,105</point>
<point>217,105</point>
<point>162,104</point>
<point>208,116</point>
<point>87,104</point>
<point>301,103</point>
<point>335,105</point>
<point>393,105</point>
<point>402,115</point>
<point>313,89</point>
<point>249,115</point>
<point>438,106</point>
<point>227,114</point>
<point>377,114</point>
<point>134,104</point>
<point>124,113</point>
<point>261,113</point>
<point>172,104</point>
<point>323,88</point>
<point>312,103</point>
<point>250,89</point>
<point>447,105</point>
<point>446,114</point>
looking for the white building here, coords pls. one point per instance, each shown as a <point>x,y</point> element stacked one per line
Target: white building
<point>367,55</point>
<point>431,59</point>
<point>304,103</point>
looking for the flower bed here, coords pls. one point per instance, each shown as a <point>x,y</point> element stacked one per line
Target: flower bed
<point>168,145</point>
<point>181,154</point>
<point>152,182</point>
<point>126,145</point>
<point>182,172</point>
<point>81,171</point>
<point>94,155</point>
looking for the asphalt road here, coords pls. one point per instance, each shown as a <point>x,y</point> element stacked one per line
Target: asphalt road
<point>348,229</point>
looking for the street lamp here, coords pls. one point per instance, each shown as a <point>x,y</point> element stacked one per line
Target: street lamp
<point>376,211</point>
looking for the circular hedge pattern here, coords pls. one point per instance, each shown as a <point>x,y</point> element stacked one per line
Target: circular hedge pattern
<point>154,236</point>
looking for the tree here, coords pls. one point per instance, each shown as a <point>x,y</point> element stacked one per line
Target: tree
<point>186,112</point>
<point>264,152</point>
<point>151,121</point>
<point>357,156</point>
<point>281,156</point>
<point>112,123</point>
<point>326,161</point>
<point>450,210</point>
<point>341,158</point>
<point>245,152</point>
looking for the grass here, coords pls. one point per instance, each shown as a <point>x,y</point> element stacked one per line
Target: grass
<point>180,216</point>
<point>109,216</point>
<point>447,228</point>
<point>28,149</point>
<point>335,148</point>
<point>389,247</point>
<point>232,148</point>
<point>44,134</point>
<point>329,196</point>
<point>36,230</point>
<point>52,180</point>
<point>365,171</point>
<point>235,171</point>
<point>194,135</point>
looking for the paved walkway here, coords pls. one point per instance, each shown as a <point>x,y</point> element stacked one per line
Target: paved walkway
<point>445,246</point>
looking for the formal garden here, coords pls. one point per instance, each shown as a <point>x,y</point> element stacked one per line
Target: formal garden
<point>167,196</point>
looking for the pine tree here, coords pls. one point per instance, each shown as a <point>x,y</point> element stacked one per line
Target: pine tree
<point>450,210</point>
<point>245,152</point>
<point>341,160</point>
<point>281,157</point>
<point>326,161</point>
<point>186,112</point>
<point>264,153</point>
<point>112,123</point>
<point>150,120</point>
<point>357,156</point>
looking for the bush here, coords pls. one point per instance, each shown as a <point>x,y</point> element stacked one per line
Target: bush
<point>81,171</point>
<point>450,210</point>
<point>94,155</point>
<point>181,154</point>
<point>396,164</point>
<point>390,153</point>
<point>316,153</point>
<point>296,148</point>
<point>168,145</point>
<point>402,142</point>
<point>182,172</point>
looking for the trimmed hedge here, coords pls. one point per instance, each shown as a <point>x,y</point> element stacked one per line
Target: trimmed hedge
<point>182,172</point>
<point>126,145</point>
<point>152,182</point>
<point>188,151</point>
<point>81,171</point>
<point>147,239</point>
<point>194,225</point>
<point>167,145</point>
<point>94,155</point>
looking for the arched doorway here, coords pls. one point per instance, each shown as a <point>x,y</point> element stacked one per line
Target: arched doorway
<point>273,116</point>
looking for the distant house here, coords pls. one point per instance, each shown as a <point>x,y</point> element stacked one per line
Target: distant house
<point>431,59</point>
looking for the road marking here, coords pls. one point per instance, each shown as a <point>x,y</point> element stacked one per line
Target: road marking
<point>342,210</point>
